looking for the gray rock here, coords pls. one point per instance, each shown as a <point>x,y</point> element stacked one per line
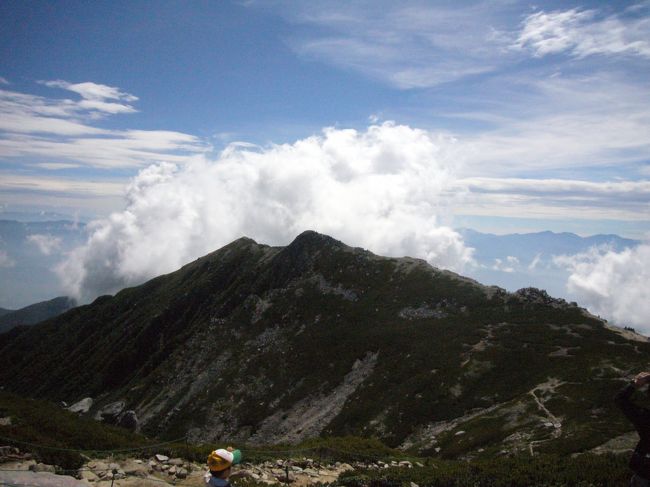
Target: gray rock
<point>82,406</point>
<point>40,479</point>
<point>87,475</point>
<point>6,421</point>
<point>175,461</point>
<point>241,474</point>
<point>110,413</point>
<point>42,467</point>
<point>161,458</point>
<point>181,473</point>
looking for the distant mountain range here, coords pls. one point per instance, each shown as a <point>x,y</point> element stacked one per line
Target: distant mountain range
<point>262,344</point>
<point>526,246</point>
<point>34,313</point>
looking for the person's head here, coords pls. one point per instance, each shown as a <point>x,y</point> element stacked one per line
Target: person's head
<point>221,460</point>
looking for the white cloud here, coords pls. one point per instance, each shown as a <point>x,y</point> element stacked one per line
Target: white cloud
<point>3,81</point>
<point>612,284</point>
<point>47,244</point>
<point>581,33</point>
<point>556,123</point>
<point>407,45</point>
<point>17,182</point>
<point>535,262</point>
<point>380,189</point>
<point>553,198</point>
<point>33,127</point>
<point>509,265</point>
<point>54,166</point>
<point>95,96</point>
<point>5,260</point>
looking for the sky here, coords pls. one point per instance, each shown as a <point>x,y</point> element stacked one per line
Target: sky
<point>176,127</point>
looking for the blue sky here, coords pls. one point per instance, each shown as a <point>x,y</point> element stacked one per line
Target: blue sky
<point>541,111</point>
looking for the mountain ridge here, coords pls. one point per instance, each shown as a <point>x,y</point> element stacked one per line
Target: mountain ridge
<point>277,344</point>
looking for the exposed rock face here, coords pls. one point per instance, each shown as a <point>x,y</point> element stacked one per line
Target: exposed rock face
<point>308,417</point>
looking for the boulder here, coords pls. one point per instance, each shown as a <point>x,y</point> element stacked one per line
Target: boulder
<point>128,420</point>
<point>110,413</point>
<point>181,473</point>
<point>82,406</point>
<point>87,475</point>
<point>175,461</point>
<point>42,467</point>
<point>241,474</point>
<point>134,469</point>
<point>161,458</point>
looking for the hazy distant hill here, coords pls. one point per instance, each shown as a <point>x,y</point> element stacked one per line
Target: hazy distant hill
<point>35,313</point>
<point>277,344</point>
<point>32,251</point>
<point>526,246</point>
<point>516,260</point>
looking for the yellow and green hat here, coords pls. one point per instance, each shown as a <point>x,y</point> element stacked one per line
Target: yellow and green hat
<point>221,459</point>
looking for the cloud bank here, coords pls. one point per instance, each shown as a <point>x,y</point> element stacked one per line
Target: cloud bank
<point>612,284</point>
<point>380,189</point>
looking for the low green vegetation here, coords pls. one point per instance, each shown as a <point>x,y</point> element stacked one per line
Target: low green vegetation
<point>56,436</point>
<point>538,471</point>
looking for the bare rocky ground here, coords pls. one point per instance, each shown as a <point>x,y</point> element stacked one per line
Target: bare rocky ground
<point>20,470</point>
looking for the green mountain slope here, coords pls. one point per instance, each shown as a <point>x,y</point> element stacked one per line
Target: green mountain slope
<point>34,313</point>
<point>277,344</point>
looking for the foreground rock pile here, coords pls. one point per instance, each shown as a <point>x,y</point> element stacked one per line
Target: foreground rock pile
<point>21,470</point>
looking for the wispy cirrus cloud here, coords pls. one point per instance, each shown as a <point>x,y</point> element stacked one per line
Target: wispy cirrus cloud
<point>97,98</point>
<point>555,198</point>
<point>407,45</point>
<point>556,123</point>
<point>34,130</point>
<point>582,33</point>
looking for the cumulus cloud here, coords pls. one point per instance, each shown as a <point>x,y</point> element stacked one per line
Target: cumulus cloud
<point>581,33</point>
<point>380,189</point>
<point>46,244</point>
<point>612,284</point>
